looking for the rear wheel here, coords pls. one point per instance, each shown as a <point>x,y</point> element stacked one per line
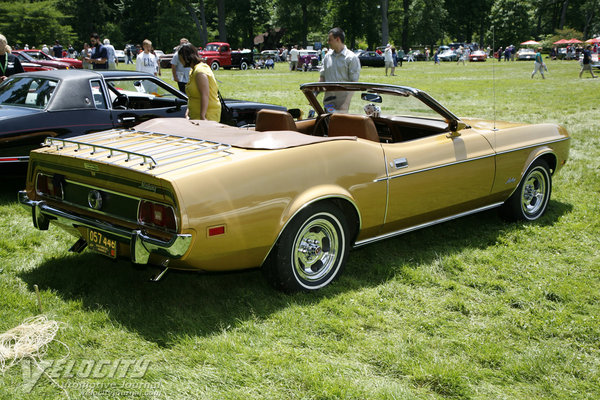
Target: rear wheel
<point>214,65</point>
<point>311,251</point>
<point>530,200</point>
<point>244,66</point>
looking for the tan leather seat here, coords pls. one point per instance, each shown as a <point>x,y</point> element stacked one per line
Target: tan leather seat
<point>273,120</point>
<point>360,126</point>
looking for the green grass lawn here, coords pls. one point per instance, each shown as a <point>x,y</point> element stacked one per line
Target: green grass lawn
<point>471,309</point>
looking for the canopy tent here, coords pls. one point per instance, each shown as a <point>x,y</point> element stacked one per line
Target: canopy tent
<point>562,41</point>
<point>530,43</point>
<point>593,41</point>
<point>574,41</point>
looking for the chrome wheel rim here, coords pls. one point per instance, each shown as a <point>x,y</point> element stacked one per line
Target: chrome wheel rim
<point>316,249</point>
<point>533,194</point>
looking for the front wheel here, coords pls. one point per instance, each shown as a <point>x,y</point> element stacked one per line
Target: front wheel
<point>530,200</point>
<point>311,251</point>
<point>214,65</point>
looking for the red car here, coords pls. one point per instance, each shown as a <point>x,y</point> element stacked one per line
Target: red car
<point>478,55</point>
<point>30,67</point>
<point>39,55</point>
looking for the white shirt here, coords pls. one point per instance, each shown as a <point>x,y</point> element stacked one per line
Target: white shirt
<point>110,51</point>
<point>341,67</point>
<point>183,73</point>
<point>294,54</point>
<point>387,56</point>
<point>146,62</point>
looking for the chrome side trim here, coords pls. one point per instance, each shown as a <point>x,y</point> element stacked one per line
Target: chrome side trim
<point>141,244</point>
<point>533,145</point>
<point>425,225</point>
<point>434,167</point>
<point>17,159</point>
<point>470,159</point>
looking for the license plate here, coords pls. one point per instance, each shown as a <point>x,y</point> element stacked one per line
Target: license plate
<point>100,243</point>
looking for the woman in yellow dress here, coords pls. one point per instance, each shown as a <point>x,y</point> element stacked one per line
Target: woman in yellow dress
<point>202,88</point>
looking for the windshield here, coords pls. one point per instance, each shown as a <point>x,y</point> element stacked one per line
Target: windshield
<point>140,86</point>
<point>212,47</point>
<point>27,92</point>
<point>374,103</point>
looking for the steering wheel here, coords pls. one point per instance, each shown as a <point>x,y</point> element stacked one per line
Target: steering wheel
<point>321,125</point>
<point>121,102</point>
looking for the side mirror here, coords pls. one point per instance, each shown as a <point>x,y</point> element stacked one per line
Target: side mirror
<point>311,114</point>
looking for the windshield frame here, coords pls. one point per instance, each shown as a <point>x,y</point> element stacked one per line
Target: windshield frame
<point>311,90</point>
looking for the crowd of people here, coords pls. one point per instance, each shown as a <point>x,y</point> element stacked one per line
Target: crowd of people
<point>196,79</point>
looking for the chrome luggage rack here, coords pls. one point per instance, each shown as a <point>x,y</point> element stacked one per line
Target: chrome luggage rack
<point>149,148</point>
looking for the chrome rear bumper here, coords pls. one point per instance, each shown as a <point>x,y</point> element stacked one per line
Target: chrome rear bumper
<point>141,245</point>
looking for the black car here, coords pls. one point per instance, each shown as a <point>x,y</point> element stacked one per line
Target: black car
<point>371,59</point>
<point>61,103</point>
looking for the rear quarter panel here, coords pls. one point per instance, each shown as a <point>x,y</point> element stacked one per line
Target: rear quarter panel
<point>255,193</point>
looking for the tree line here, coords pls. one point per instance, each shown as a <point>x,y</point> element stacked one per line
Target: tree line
<point>273,23</point>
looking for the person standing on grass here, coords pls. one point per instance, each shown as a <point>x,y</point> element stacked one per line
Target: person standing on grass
<point>146,61</point>
<point>586,64</point>
<point>181,75</point>
<point>111,55</point>
<point>294,55</point>
<point>538,65</point>
<point>99,56</point>
<point>202,88</point>
<point>389,60</point>
<point>339,65</point>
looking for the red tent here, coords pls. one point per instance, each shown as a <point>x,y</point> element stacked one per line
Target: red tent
<point>574,41</point>
<point>593,41</point>
<point>562,41</point>
<point>530,42</point>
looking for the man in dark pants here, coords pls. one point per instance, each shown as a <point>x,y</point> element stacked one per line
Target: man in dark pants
<point>9,64</point>
<point>99,57</point>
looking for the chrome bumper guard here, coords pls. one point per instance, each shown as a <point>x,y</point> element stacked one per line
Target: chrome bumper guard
<point>141,245</point>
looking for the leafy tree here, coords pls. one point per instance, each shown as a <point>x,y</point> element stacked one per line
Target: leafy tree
<point>429,18</point>
<point>34,23</point>
<point>512,21</point>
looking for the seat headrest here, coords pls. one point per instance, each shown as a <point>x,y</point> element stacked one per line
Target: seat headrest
<point>274,120</point>
<point>360,126</point>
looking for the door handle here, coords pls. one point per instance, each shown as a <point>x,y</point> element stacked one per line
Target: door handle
<point>400,163</point>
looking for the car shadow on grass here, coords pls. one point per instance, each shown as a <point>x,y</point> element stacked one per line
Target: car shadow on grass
<point>191,303</point>
<point>13,180</point>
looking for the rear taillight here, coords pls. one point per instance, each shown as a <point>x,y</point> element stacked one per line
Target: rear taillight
<point>159,215</point>
<point>50,186</point>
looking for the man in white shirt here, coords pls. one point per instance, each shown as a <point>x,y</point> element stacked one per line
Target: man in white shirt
<point>294,53</point>
<point>181,74</point>
<point>388,59</point>
<point>146,61</point>
<point>112,56</point>
<point>339,65</point>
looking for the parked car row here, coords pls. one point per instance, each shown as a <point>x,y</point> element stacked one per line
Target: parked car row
<point>62,103</point>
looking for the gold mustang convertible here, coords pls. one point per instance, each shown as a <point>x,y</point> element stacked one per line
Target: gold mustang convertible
<point>372,161</point>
